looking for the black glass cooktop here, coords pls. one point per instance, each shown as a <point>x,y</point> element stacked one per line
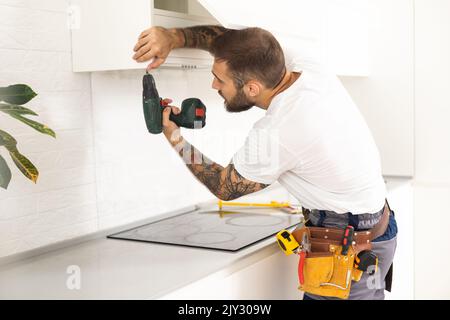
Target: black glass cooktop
<point>213,229</point>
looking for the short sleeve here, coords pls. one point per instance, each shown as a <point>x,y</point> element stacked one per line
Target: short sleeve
<point>263,158</point>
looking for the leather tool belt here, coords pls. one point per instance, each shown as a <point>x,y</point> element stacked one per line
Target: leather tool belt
<point>323,269</point>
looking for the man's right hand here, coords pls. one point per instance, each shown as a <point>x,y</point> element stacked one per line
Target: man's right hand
<point>155,44</point>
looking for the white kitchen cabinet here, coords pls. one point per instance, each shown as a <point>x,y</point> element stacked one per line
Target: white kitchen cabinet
<point>265,275</point>
<point>332,32</point>
<point>104,32</point>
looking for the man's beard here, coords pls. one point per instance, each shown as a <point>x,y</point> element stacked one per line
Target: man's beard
<point>238,103</point>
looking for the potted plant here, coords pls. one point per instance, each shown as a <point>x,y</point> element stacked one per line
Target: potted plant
<point>12,99</point>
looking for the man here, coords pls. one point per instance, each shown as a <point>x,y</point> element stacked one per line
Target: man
<point>312,140</point>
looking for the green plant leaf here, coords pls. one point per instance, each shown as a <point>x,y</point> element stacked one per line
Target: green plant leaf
<point>17,94</point>
<point>24,165</point>
<point>5,173</point>
<point>35,125</point>
<point>13,108</point>
<point>7,140</point>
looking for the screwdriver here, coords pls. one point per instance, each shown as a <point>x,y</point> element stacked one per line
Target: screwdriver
<point>348,239</point>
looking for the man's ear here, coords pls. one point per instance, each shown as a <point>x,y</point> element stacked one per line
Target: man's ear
<point>253,88</point>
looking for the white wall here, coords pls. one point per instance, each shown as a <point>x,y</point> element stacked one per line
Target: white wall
<point>386,97</point>
<point>432,154</point>
<point>410,77</point>
<point>35,49</point>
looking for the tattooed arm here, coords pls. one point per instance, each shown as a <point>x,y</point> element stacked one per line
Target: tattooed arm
<point>200,37</point>
<point>225,183</point>
<point>157,42</point>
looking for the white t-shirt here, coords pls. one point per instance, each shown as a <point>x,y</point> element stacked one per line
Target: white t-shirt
<point>314,141</point>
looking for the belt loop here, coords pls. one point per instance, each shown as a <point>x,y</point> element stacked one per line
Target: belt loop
<point>305,213</point>
<point>353,220</point>
<point>322,218</point>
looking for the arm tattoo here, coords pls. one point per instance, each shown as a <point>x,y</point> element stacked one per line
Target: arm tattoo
<point>201,37</point>
<point>225,183</point>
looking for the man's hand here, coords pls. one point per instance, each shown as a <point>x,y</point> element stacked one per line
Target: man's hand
<point>170,129</point>
<point>156,43</point>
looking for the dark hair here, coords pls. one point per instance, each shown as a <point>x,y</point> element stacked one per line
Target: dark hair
<point>251,53</point>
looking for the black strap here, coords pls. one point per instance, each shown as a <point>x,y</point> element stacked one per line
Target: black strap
<point>388,279</point>
<point>353,220</point>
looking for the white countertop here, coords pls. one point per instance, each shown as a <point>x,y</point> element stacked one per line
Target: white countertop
<point>119,269</point>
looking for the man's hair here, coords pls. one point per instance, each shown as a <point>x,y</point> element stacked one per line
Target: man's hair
<point>251,53</point>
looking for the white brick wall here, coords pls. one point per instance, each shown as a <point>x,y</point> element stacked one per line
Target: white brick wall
<point>35,49</point>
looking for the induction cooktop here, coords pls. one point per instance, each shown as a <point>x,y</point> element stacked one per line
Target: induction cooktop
<point>214,229</point>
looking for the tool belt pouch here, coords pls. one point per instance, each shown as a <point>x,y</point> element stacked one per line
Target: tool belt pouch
<point>323,270</point>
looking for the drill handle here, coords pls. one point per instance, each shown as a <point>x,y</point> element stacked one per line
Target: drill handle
<point>192,115</point>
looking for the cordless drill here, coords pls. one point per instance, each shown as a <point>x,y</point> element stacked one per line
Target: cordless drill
<point>192,115</point>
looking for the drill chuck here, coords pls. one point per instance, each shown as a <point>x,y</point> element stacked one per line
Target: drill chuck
<point>149,86</point>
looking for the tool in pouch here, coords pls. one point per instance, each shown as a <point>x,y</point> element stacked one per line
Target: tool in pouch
<point>329,259</point>
<point>192,115</point>
<point>289,245</point>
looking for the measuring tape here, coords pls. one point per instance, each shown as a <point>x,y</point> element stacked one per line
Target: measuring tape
<point>287,242</point>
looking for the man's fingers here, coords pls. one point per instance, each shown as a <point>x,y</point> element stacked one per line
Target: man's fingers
<point>139,45</point>
<point>165,119</point>
<point>147,56</point>
<point>141,42</point>
<point>142,51</point>
<point>175,110</point>
<point>156,63</point>
<point>144,34</point>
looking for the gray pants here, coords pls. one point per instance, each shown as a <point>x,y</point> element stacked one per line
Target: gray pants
<point>369,287</point>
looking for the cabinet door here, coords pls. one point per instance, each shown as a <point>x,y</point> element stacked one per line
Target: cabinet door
<point>104,33</point>
<point>255,277</point>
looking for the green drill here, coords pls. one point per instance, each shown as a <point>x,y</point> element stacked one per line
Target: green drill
<point>192,115</point>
